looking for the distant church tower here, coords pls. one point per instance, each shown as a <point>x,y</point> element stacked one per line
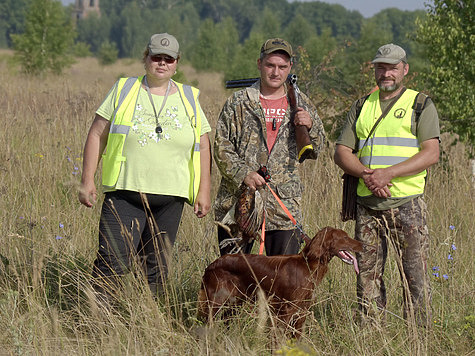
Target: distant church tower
<point>83,8</point>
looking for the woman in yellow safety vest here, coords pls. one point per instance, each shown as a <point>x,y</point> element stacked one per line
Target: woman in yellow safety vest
<point>153,138</point>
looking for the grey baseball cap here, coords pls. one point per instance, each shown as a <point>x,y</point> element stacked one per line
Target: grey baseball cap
<point>276,44</point>
<point>390,53</point>
<point>164,43</point>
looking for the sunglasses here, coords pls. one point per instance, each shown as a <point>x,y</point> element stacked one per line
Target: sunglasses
<point>167,59</point>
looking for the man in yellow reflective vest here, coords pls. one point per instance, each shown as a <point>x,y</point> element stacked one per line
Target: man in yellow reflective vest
<point>391,162</point>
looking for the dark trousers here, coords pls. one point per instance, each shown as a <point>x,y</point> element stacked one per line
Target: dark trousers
<point>132,227</point>
<point>276,242</point>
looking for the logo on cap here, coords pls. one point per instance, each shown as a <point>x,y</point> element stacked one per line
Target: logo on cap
<point>386,51</point>
<point>165,42</point>
<point>277,42</point>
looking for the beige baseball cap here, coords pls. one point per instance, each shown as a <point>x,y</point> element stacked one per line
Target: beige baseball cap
<point>390,53</point>
<point>276,44</point>
<point>164,43</point>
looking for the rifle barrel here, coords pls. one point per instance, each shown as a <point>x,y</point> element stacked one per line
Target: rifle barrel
<point>240,83</point>
<point>247,82</point>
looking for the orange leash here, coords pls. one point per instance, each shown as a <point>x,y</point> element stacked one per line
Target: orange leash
<point>263,235</point>
<point>284,208</point>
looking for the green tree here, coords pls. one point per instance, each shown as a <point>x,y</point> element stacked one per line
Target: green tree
<point>318,47</point>
<point>402,26</point>
<point>244,64</point>
<point>93,30</point>
<point>216,45</point>
<point>107,53</point>
<point>135,35</point>
<point>343,23</point>
<point>268,24</point>
<point>298,31</point>
<point>373,36</point>
<point>448,37</point>
<point>12,15</point>
<point>47,40</point>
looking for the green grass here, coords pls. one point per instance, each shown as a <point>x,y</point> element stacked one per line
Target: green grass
<point>48,243</point>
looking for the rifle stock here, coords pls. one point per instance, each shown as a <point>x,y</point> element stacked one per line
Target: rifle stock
<point>304,144</point>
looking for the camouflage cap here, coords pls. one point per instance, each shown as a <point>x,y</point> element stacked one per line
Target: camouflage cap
<point>390,53</point>
<point>164,43</point>
<point>276,44</point>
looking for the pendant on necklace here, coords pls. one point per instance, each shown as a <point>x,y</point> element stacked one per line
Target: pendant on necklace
<point>158,129</point>
<point>274,124</point>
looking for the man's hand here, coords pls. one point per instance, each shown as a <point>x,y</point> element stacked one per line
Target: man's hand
<point>302,118</point>
<point>378,181</point>
<point>254,180</point>
<point>372,178</point>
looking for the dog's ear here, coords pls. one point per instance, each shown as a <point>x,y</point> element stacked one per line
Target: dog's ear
<point>326,235</point>
<point>318,244</point>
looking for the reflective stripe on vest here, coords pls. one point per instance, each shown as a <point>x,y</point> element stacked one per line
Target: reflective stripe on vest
<point>125,104</point>
<point>393,142</point>
<point>189,97</point>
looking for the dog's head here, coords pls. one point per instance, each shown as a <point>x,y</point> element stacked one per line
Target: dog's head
<point>331,242</point>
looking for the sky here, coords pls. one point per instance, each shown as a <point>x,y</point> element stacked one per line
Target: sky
<point>367,8</point>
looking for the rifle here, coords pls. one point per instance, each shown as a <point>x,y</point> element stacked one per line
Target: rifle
<point>304,144</point>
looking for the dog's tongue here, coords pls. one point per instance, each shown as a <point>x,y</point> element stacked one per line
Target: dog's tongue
<point>347,257</point>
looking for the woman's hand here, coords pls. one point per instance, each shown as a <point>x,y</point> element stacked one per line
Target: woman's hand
<point>202,204</point>
<point>87,194</point>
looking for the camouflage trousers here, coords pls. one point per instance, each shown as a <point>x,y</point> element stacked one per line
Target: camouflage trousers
<point>405,229</point>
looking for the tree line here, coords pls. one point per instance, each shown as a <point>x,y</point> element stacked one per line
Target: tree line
<point>333,45</point>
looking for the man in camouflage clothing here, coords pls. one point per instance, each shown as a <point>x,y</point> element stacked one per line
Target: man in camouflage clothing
<point>254,130</point>
<point>391,165</point>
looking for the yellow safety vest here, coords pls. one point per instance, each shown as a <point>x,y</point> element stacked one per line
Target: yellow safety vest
<point>121,122</point>
<point>392,142</point>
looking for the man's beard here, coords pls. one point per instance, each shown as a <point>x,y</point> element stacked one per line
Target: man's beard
<point>388,88</point>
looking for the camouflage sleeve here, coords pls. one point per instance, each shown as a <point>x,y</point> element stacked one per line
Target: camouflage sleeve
<point>317,132</point>
<point>232,167</point>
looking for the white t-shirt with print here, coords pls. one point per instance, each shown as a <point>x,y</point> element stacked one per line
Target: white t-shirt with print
<point>156,163</point>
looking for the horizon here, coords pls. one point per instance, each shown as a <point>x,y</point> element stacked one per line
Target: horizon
<point>367,8</point>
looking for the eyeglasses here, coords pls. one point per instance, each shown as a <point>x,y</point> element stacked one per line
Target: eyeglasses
<point>167,59</point>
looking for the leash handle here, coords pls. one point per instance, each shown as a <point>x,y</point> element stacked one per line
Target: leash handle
<point>264,173</point>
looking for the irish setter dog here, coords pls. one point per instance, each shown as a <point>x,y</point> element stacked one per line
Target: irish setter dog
<point>288,281</point>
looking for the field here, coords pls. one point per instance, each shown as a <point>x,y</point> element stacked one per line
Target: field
<point>48,242</point>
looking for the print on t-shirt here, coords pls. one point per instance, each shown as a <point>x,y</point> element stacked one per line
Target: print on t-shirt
<point>274,110</point>
<point>144,124</point>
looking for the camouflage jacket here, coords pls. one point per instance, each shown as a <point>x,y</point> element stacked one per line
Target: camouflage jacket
<point>240,147</point>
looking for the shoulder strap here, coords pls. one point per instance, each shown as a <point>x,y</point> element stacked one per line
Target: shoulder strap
<point>419,104</point>
<point>385,112</point>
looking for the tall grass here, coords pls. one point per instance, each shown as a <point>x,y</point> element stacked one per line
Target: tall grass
<point>48,242</point>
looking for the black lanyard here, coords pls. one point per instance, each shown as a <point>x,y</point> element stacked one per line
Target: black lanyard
<point>158,129</point>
